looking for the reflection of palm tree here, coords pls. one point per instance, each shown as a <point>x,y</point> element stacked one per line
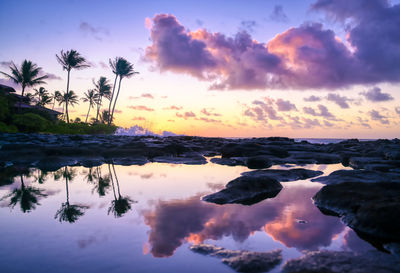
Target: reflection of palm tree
<point>27,197</point>
<point>67,212</point>
<point>41,176</point>
<point>101,184</point>
<point>120,205</point>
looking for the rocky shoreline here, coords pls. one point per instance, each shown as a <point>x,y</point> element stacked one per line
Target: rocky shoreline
<point>366,197</point>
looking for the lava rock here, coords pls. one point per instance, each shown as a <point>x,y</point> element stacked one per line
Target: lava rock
<point>365,176</point>
<point>284,175</point>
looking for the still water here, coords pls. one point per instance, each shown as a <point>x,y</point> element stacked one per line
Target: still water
<point>144,218</point>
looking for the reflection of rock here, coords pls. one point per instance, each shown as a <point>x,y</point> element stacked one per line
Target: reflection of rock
<point>246,190</point>
<point>371,208</point>
<point>234,161</point>
<point>242,261</point>
<point>366,176</point>
<point>284,175</point>
<point>192,158</point>
<point>343,262</point>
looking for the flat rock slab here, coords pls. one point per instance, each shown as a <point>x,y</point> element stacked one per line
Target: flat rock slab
<point>369,208</point>
<point>365,176</point>
<point>241,260</point>
<point>284,175</point>
<point>246,190</point>
<point>343,262</point>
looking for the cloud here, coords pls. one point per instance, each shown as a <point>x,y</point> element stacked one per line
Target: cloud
<point>304,57</point>
<point>248,25</point>
<point>339,100</point>
<point>103,65</point>
<point>285,105</point>
<point>186,115</point>
<point>9,83</point>
<point>138,118</point>
<point>51,76</point>
<point>96,32</point>
<point>375,95</point>
<point>312,98</point>
<point>173,107</point>
<point>397,109</point>
<point>375,115</point>
<point>278,15</point>
<point>147,95</point>
<point>363,122</point>
<point>5,64</point>
<point>209,120</point>
<point>209,112</point>
<point>141,108</point>
<point>323,112</point>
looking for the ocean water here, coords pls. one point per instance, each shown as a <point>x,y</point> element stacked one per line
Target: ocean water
<point>144,218</point>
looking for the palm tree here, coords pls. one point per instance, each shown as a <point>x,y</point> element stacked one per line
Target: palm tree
<point>123,69</point>
<point>67,212</point>
<point>91,97</point>
<point>71,59</point>
<point>26,76</point>
<point>120,205</point>
<point>69,98</point>
<point>103,89</point>
<point>57,97</point>
<point>27,197</point>
<point>43,96</point>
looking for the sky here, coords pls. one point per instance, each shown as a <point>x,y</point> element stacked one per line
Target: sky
<point>305,69</point>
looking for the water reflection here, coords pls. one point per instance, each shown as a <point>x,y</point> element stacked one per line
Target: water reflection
<point>120,205</point>
<point>26,196</point>
<point>174,222</point>
<point>69,212</point>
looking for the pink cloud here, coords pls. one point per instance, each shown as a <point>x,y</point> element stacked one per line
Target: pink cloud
<point>141,108</point>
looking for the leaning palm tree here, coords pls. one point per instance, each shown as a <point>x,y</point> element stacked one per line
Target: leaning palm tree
<point>91,97</point>
<point>27,75</point>
<point>27,197</point>
<point>103,89</point>
<point>69,98</point>
<point>124,69</point>
<point>71,59</point>
<point>67,212</point>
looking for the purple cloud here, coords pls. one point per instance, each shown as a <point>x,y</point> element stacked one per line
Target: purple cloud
<point>141,108</point>
<point>375,95</point>
<point>312,98</point>
<point>285,105</point>
<point>323,112</point>
<point>51,76</point>
<point>96,32</point>
<point>303,57</point>
<point>397,109</point>
<point>278,15</point>
<point>339,100</point>
<point>375,115</point>
<point>209,112</point>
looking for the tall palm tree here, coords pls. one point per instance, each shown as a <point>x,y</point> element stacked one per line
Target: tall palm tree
<point>27,197</point>
<point>71,59</point>
<point>114,64</point>
<point>27,75</point>
<point>90,96</point>
<point>69,98</point>
<point>124,69</point>
<point>103,89</point>
<point>67,212</point>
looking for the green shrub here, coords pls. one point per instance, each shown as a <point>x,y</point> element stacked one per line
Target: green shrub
<point>4,128</point>
<point>30,122</point>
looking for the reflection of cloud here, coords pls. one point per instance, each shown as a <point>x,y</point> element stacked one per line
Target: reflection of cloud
<point>352,242</point>
<point>319,229</point>
<point>174,222</point>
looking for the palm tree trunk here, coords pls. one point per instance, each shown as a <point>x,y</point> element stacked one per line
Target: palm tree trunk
<point>98,108</point>
<point>112,181</point>
<point>66,185</point>
<point>115,101</point>
<point>66,100</point>
<point>112,96</point>
<point>87,115</point>
<point>116,179</point>
<point>23,89</point>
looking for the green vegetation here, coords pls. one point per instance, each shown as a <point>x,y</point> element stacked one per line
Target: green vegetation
<point>29,113</point>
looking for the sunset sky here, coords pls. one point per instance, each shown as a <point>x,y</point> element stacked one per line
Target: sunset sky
<point>320,68</point>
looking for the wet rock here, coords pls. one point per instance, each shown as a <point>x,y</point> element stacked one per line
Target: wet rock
<point>242,261</point>
<point>365,176</point>
<point>233,161</point>
<point>258,162</point>
<point>315,157</point>
<point>369,208</point>
<point>246,190</point>
<point>360,162</point>
<point>343,262</point>
<point>284,175</point>
<point>186,158</point>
